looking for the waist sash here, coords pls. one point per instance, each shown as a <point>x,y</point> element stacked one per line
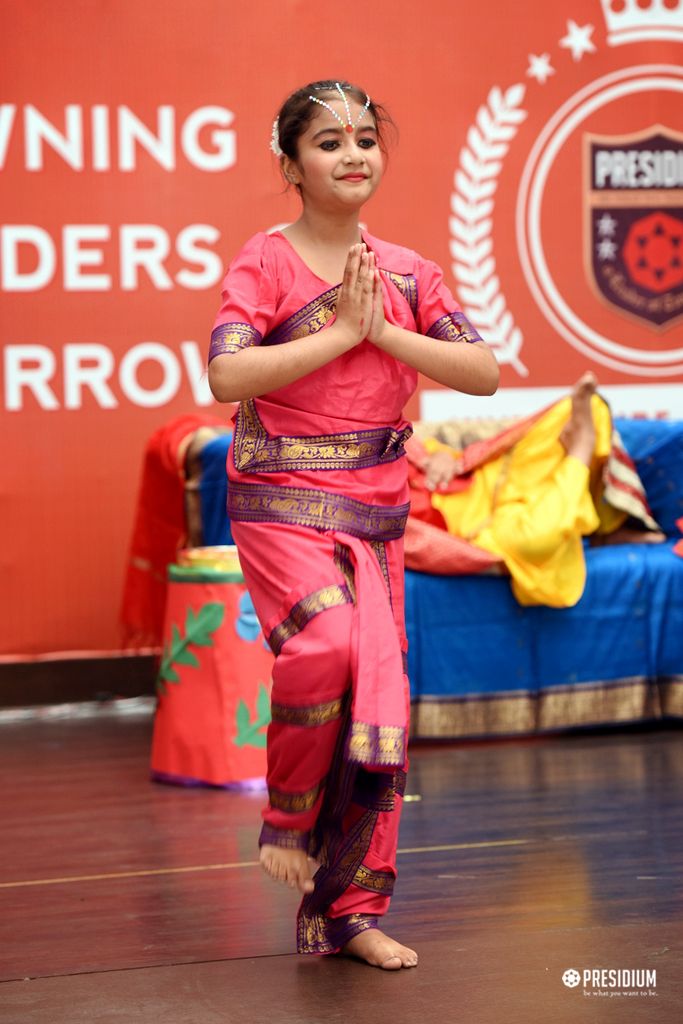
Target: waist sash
<point>322,510</point>
<point>256,450</point>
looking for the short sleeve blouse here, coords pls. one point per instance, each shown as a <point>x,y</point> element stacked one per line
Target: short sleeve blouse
<point>249,299</point>
<point>438,314</point>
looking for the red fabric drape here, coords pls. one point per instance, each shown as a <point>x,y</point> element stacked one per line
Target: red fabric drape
<point>159,530</point>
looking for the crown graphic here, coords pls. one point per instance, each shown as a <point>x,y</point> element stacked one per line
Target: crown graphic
<point>631,21</point>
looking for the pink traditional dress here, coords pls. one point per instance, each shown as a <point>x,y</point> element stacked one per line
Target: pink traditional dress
<point>318,501</point>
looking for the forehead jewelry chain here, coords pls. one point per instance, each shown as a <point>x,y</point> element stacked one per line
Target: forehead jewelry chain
<point>349,126</point>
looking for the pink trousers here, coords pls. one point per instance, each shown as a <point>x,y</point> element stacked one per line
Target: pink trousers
<point>332,610</point>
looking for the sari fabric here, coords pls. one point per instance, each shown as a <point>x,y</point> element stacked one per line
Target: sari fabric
<point>520,501</point>
<point>318,500</point>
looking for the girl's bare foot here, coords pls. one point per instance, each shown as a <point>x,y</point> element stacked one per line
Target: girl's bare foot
<point>578,434</point>
<point>379,950</point>
<point>292,867</point>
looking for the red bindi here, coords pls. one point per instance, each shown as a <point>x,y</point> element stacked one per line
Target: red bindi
<point>349,128</point>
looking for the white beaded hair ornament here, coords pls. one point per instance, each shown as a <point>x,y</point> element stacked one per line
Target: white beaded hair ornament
<point>349,126</point>
<point>275,137</point>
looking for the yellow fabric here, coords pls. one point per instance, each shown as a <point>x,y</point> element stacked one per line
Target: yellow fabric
<point>532,505</point>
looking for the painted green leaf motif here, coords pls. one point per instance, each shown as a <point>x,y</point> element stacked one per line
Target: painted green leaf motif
<point>263,704</point>
<point>186,657</point>
<point>252,734</point>
<point>199,630</point>
<point>242,716</point>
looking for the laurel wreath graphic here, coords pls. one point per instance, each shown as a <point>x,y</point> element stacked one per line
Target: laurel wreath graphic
<point>476,180</point>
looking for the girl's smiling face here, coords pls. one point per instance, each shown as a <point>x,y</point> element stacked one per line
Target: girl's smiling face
<point>335,167</point>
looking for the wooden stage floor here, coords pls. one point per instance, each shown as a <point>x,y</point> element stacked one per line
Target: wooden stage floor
<point>124,901</point>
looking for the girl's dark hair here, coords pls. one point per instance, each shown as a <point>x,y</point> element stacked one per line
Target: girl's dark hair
<point>298,110</point>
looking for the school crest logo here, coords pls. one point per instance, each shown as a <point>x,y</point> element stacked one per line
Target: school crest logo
<point>633,200</point>
<point>596,185</point>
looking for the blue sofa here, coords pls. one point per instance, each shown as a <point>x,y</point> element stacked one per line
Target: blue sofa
<point>482,665</point>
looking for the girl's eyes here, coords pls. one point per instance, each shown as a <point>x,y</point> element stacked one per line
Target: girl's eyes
<point>329,145</point>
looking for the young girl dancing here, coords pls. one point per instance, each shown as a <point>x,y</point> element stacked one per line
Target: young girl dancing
<point>320,337</point>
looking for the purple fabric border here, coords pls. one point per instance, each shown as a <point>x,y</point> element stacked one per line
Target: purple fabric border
<point>321,510</point>
<point>341,930</point>
<point>288,839</point>
<point>453,327</point>
<point>256,784</point>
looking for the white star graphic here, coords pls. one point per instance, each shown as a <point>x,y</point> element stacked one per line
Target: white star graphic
<point>539,67</point>
<point>578,39</point>
<point>606,225</point>
<point>607,249</point>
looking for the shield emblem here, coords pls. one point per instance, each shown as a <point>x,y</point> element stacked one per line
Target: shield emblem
<point>633,224</point>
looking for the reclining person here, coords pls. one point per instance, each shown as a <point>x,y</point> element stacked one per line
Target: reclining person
<point>530,495</point>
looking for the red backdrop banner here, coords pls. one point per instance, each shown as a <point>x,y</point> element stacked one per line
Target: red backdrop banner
<point>539,161</point>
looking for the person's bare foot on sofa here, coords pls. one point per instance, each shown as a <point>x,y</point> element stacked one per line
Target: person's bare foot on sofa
<point>292,867</point>
<point>378,950</point>
<point>578,434</point>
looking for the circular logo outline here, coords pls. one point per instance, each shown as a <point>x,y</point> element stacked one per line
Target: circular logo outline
<point>551,138</point>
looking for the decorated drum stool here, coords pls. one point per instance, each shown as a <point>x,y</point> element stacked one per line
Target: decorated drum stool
<point>214,679</point>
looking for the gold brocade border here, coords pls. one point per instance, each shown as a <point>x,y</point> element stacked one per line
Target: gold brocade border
<point>453,327</point>
<point>230,338</point>
<point>382,795</point>
<point>322,510</point>
<point>587,704</point>
<point>294,803</point>
<point>374,881</point>
<point>314,715</point>
<point>380,549</point>
<point>287,838</point>
<point>342,559</point>
<point>307,320</point>
<point>313,928</point>
<point>376,744</point>
<point>407,285</point>
<point>254,448</point>
<point>317,933</point>
<point>304,610</point>
<point>671,695</point>
<point>312,934</point>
